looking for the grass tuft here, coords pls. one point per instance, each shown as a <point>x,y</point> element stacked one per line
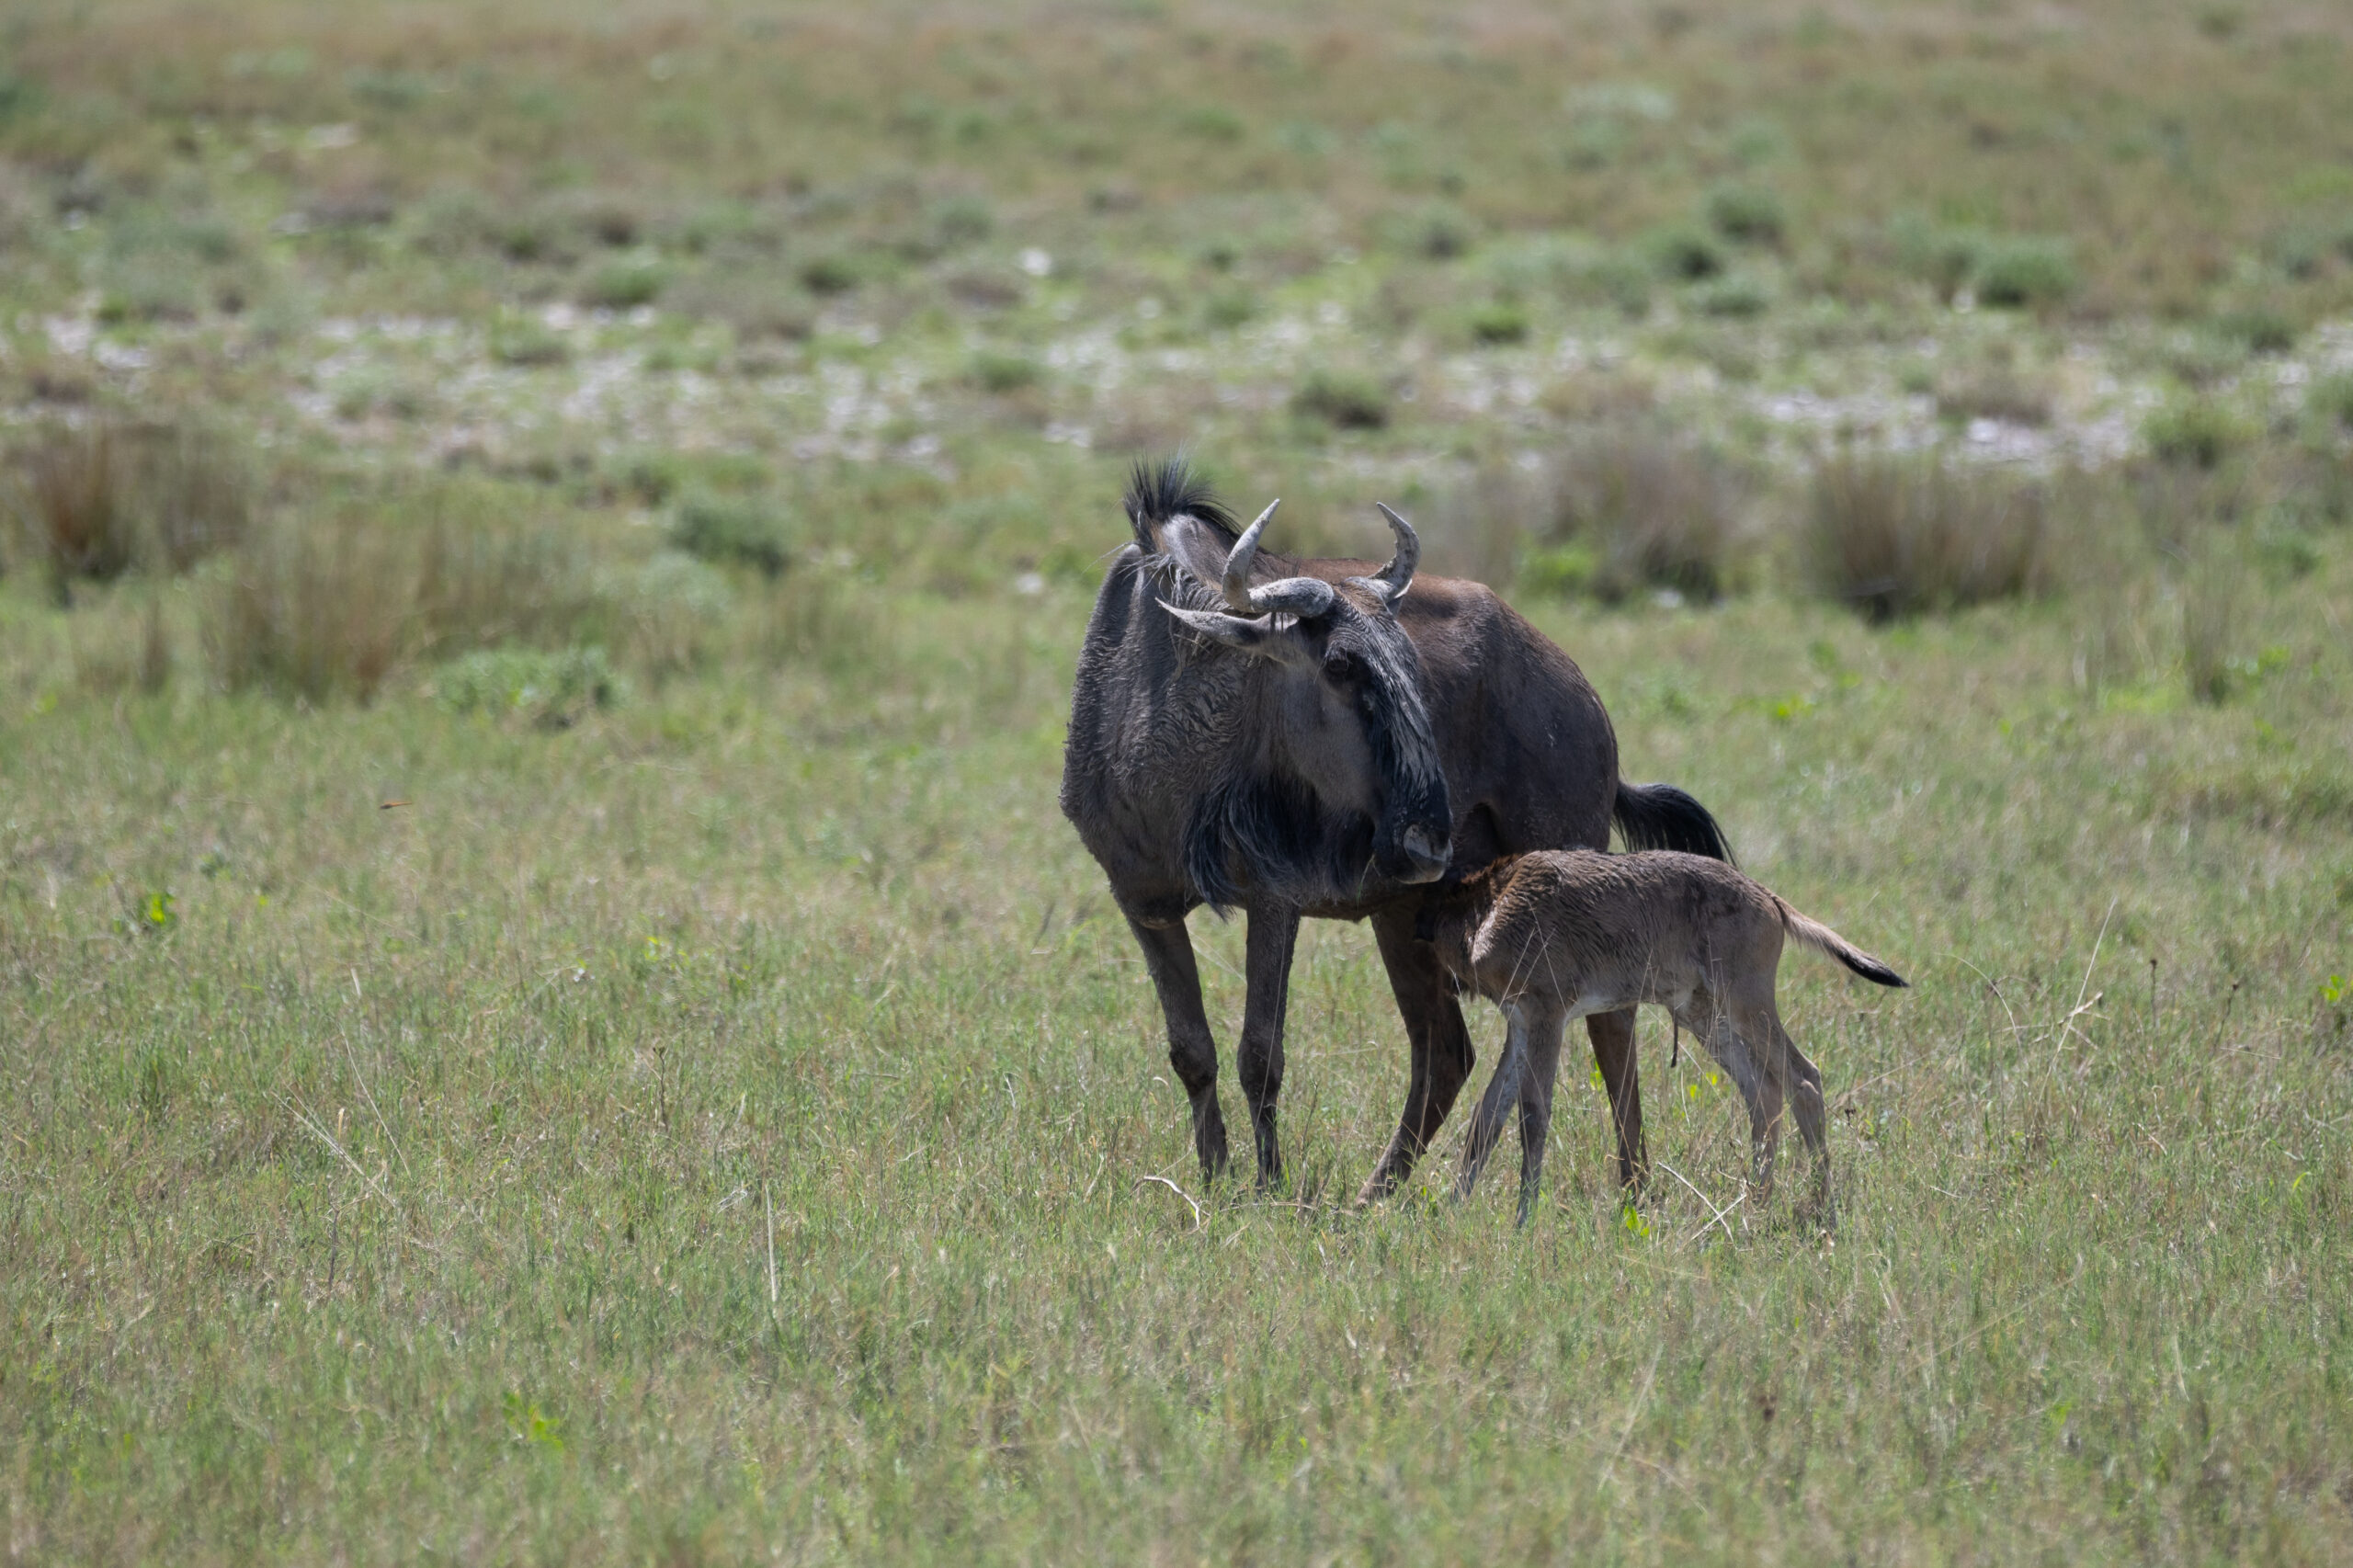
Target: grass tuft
<point>1345,400</point>
<point>1896,535</point>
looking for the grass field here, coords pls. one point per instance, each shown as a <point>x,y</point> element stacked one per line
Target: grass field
<point>548,1014</point>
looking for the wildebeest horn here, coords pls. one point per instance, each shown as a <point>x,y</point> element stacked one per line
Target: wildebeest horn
<point>1292,596</point>
<point>1398,575</point>
<point>1238,559</point>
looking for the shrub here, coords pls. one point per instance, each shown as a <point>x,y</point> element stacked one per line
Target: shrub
<point>625,285</point>
<point>100,498</point>
<point>1745,215</point>
<point>1344,400</point>
<point>1229,308</point>
<point>731,531</point>
<point>1498,323</point>
<point>75,518</point>
<point>829,275</point>
<point>999,373</point>
<point>310,612</point>
<point>1687,255</point>
<point>525,344</point>
<point>1652,510</point>
<point>1897,536</point>
<point>2332,398</point>
<point>668,607</point>
<point>2025,274</point>
<point>2197,431</point>
<point>549,690</point>
<point>1944,258</point>
<point>2261,328</point>
<point>1441,232</point>
<point>1741,295</point>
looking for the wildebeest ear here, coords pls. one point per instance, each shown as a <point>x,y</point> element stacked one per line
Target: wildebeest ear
<point>1269,636</point>
<point>1200,548</point>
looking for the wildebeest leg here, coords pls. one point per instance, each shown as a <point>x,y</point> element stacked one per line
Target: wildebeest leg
<point>1538,1070</point>
<point>1494,1105</point>
<point>1805,1099</point>
<point>1621,1076</point>
<point>1274,934</point>
<point>1192,1051</point>
<point>1442,1053</point>
<point>1712,1027</point>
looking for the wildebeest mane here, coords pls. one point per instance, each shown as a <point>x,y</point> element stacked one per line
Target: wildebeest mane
<point>1169,488</point>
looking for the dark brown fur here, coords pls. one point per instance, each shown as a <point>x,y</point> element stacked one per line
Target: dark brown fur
<point>1556,936</point>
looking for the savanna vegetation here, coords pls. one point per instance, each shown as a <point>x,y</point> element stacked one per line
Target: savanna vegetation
<point>547,1012</point>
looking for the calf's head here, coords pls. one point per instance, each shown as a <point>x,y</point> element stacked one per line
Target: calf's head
<point>1339,686</point>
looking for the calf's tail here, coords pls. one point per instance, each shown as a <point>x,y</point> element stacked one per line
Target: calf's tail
<point>1660,816</point>
<point>1813,934</point>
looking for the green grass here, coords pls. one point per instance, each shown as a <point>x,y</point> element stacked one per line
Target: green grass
<point>400,1109</point>
<point>547,1012</point>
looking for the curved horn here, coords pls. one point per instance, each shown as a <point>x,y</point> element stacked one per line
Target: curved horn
<point>1398,575</point>
<point>1304,596</point>
<point>1237,563</point>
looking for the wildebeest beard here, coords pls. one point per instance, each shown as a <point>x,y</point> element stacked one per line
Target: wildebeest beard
<point>1272,833</point>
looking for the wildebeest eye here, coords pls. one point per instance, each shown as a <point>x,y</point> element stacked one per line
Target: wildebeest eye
<point>1339,665</point>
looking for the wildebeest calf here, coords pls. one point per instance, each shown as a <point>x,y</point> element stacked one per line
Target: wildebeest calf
<point>1556,934</point>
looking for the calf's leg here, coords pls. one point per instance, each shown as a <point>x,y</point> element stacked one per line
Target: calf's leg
<point>1496,1105</point>
<point>1538,1070</point>
<point>1192,1050</point>
<point>1622,1078</point>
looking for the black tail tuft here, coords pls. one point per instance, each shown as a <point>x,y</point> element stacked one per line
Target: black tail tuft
<point>1169,488</point>
<point>1870,969</point>
<point>1660,816</point>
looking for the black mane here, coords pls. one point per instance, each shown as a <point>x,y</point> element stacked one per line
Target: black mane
<point>1169,488</point>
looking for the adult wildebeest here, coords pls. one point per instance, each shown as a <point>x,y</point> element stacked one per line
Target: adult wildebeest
<point>1563,935</point>
<point>1305,737</point>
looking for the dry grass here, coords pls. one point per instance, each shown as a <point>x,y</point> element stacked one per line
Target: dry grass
<point>1617,510</point>
<point>98,497</point>
<point>1898,535</point>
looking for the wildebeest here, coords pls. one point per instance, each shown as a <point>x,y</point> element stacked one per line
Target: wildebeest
<point>1552,937</point>
<point>1307,737</point>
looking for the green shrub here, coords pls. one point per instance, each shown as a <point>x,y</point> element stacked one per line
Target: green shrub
<point>2197,431</point>
<point>731,531</point>
<point>1739,295</point>
<point>2262,329</point>
<point>1944,258</point>
<point>1558,570</point>
<point>1686,256</point>
<point>1745,215</point>
<point>2332,398</point>
<point>2025,273</point>
<point>1342,399</point>
<point>1229,308</point>
<point>1441,231</point>
<point>625,285</point>
<point>1652,509</point>
<point>996,371</point>
<point>1499,323</point>
<point>829,275</point>
<point>668,607</point>
<point>547,689</point>
<point>525,344</point>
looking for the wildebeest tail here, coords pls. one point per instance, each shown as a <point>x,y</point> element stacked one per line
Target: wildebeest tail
<point>1660,816</point>
<point>1813,934</point>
